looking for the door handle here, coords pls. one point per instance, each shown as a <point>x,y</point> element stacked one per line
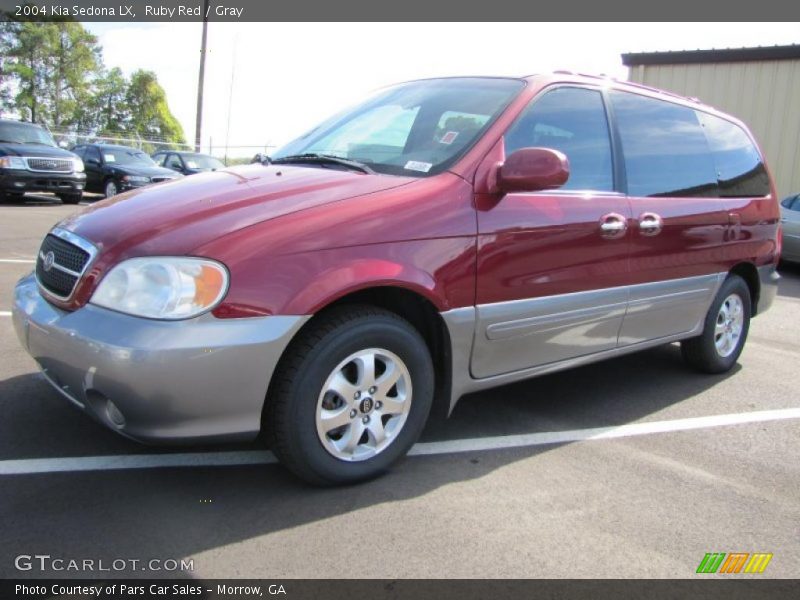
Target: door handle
<point>613,225</point>
<point>650,224</point>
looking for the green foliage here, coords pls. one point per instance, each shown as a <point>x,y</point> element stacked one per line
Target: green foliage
<point>149,113</point>
<point>52,73</point>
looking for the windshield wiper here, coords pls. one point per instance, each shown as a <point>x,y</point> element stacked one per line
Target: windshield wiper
<point>312,157</point>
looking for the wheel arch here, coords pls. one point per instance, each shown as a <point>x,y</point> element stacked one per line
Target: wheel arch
<point>748,272</point>
<point>415,308</point>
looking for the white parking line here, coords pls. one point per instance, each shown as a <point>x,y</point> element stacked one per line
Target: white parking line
<point>5,313</point>
<point>256,457</point>
<point>23,261</point>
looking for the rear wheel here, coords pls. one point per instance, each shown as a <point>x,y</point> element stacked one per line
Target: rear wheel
<point>70,198</point>
<point>351,396</point>
<point>725,330</point>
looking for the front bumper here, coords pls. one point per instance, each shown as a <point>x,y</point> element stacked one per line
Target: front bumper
<point>20,181</point>
<point>155,381</point>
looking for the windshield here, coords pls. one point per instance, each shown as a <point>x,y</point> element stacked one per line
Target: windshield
<point>201,161</point>
<point>24,133</point>
<point>126,156</point>
<point>417,129</point>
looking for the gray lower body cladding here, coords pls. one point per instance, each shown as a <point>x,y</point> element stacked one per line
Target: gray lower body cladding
<point>497,344</point>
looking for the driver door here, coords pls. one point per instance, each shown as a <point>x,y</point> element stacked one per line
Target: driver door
<point>552,265</point>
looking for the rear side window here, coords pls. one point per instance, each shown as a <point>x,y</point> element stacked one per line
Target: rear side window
<point>740,169</point>
<point>573,121</point>
<point>665,148</point>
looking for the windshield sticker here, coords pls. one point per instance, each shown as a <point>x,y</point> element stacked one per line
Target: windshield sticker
<point>449,137</point>
<point>109,157</point>
<point>415,165</point>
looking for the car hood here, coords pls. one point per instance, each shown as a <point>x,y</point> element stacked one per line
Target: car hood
<point>34,150</point>
<point>146,171</point>
<point>175,217</point>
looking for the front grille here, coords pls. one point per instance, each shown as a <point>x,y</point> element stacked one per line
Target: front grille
<point>67,257</point>
<point>53,165</point>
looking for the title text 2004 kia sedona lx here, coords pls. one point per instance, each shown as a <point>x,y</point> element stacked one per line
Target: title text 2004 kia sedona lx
<point>442,237</point>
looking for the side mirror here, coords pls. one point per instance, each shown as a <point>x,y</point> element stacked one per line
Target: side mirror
<point>92,161</point>
<point>533,169</point>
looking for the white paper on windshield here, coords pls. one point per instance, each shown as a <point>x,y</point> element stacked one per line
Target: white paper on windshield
<point>109,157</point>
<point>416,165</point>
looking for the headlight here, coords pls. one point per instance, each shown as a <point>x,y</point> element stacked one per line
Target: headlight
<point>12,162</point>
<point>163,287</point>
<point>77,164</point>
<point>136,179</point>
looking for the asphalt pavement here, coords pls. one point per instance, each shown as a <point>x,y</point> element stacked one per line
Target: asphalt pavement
<point>658,467</point>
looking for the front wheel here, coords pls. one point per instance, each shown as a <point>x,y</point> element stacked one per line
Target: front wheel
<point>110,188</point>
<point>725,329</point>
<point>351,396</point>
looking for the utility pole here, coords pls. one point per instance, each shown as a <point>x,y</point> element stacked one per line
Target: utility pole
<point>200,79</point>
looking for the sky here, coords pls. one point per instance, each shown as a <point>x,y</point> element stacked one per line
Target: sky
<point>269,82</point>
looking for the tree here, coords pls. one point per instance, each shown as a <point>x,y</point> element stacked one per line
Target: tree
<point>76,62</point>
<point>150,116</point>
<point>53,65</point>
<point>107,112</point>
<point>6,39</point>
<point>27,62</point>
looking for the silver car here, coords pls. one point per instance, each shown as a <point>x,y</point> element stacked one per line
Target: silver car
<point>790,220</point>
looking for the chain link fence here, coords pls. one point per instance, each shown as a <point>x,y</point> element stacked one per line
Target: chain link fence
<point>228,154</point>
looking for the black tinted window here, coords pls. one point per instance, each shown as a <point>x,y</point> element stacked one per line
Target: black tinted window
<point>572,120</point>
<point>80,151</point>
<point>666,152</point>
<point>740,170</point>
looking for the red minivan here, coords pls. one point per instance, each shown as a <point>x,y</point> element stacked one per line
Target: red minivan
<point>444,236</point>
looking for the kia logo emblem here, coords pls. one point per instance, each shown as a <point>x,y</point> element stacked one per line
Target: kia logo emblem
<point>48,261</point>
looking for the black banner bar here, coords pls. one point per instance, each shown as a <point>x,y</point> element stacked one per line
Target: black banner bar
<point>399,10</point>
<point>710,588</point>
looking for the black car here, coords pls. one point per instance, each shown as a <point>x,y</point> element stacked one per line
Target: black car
<point>187,163</point>
<point>113,169</point>
<point>30,161</point>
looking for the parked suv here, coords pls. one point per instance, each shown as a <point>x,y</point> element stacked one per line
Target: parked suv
<point>187,163</point>
<point>30,161</point>
<point>112,169</point>
<point>443,237</point>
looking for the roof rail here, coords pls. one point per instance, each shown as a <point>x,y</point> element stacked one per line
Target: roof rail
<point>632,84</point>
<point>660,91</point>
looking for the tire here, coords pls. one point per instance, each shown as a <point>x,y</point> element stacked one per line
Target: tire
<point>718,348</point>
<point>331,353</point>
<point>110,188</point>
<point>11,197</point>
<point>70,198</point>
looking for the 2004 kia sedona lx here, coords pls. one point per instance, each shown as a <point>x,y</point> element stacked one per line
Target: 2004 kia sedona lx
<point>442,237</point>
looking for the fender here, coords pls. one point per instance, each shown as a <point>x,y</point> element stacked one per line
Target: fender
<point>361,274</point>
